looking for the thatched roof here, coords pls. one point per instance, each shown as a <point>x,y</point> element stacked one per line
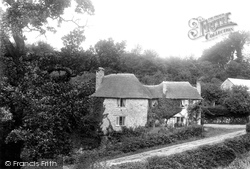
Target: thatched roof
<point>156,91</point>
<point>122,86</point>
<point>128,86</point>
<point>174,90</point>
<point>181,90</point>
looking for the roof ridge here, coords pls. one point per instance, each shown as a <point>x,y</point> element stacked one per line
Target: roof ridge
<point>238,79</point>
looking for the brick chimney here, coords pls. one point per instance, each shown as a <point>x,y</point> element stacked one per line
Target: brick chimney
<point>198,86</point>
<point>99,76</point>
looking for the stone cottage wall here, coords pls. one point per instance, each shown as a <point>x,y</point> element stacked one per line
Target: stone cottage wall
<point>135,113</point>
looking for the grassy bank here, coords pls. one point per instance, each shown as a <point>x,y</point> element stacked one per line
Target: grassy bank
<point>242,162</point>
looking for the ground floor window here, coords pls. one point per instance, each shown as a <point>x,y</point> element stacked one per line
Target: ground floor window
<point>180,119</point>
<point>179,122</point>
<point>120,120</point>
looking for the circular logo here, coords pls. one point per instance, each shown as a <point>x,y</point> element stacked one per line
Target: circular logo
<point>7,163</point>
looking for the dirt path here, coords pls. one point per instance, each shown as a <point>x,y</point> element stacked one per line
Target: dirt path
<point>227,126</point>
<point>174,149</point>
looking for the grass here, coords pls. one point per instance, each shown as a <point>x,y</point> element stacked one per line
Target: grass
<point>208,132</point>
<point>242,162</point>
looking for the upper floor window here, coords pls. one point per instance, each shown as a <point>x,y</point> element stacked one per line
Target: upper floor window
<point>121,102</point>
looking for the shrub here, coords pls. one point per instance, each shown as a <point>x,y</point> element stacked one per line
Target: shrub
<point>240,145</point>
<point>118,136</point>
<point>206,157</point>
<point>248,127</point>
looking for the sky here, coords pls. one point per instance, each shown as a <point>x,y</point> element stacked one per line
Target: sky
<point>159,25</point>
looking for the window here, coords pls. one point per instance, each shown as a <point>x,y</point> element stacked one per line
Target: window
<point>120,120</point>
<point>180,119</point>
<point>179,122</point>
<point>121,102</point>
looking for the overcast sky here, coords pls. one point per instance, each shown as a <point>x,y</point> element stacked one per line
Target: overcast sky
<point>160,25</point>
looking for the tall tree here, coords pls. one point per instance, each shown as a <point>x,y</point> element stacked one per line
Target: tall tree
<point>109,53</point>
<point>21,16</point>
<point>238,40</point>
<point>222,52</point>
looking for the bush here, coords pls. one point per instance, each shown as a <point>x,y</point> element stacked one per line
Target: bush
<point>240,145</point>
<point>206,157</point>
<point>118,136</point>
<point>248,127</point>
<point>87,159</point>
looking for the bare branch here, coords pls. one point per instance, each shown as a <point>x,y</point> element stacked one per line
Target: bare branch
<point>31,29</point>
<point>73,21</point>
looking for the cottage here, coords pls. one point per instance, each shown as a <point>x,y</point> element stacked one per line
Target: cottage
<point>230,82</point>
<point>127,101</point>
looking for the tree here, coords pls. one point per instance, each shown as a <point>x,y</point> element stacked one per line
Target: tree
<point>164,109</point>
<point>222,52</point>
<point>109,53</point>
<point>211,93</point>
<point>22,16</point>
<point>19,69</point>
<point>72,42</point>
<point>238,40</point>
<point>238,101</point>
<point>195,113</point>
<point>219,54</point>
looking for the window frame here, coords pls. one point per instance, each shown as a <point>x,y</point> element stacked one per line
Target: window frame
<point>120,120</point>
<point>121,102</point>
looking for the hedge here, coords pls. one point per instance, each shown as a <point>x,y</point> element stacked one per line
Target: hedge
<point>205,157</point>
<point>131,144</point>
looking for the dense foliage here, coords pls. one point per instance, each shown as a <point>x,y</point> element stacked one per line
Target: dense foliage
<point>42,109</point>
